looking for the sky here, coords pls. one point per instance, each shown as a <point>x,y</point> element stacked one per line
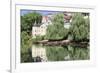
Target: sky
<point>42,12</point>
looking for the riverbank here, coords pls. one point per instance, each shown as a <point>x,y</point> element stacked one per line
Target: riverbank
<point>61,43</point>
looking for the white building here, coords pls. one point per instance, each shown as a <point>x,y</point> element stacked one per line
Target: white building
<point>67,19</point>
<point>41,30</point>
<point>38,31</point>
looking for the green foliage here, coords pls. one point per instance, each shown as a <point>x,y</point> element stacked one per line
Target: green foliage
<point>26,43</point>
<point>55,53</point>
<point>38,38</point>
<point>30,19</point>
<point>78,53</point>
<point>56,30</point>
<point>27,21</point>
<point>59,53</point>
<point>79,27</point>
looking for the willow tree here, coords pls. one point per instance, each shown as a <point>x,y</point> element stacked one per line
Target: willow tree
<point>56,31</point>
<point>79,29</point>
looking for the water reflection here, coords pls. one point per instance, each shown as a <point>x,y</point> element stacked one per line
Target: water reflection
<point>39,53</point>
<point>59,53</point>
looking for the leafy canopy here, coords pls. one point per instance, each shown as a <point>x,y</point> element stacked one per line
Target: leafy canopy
<point>56,31</point>
<point>29,20</point>
<point>79,27</point>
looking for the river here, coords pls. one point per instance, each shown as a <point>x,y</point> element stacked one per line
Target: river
<point>41,53</point>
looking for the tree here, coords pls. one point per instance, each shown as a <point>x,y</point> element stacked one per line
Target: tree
<point>56,31</point>
<point>79,29</point>
<point>27,21</point>
<point>30,19</point>
<point>26,43</point>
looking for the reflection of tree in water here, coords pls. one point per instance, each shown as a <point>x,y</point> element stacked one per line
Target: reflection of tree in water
<point>61,53</point>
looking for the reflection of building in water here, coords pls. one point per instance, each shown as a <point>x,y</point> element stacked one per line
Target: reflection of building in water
<point>67,57</point>
<point>39,52</point>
